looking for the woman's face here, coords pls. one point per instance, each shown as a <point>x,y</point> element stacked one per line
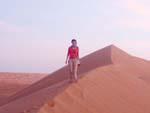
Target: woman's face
<point>74,43</point>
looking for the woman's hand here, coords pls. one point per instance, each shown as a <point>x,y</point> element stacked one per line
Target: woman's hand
<point>66,62</point>
<point>78,62</point>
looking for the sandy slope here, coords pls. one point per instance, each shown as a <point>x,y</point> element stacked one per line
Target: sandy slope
<point>103,90</point>
<point>111,81</point>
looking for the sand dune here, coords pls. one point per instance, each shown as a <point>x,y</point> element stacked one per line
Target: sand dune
<point>111,81</point>
<point>20,78</point>
<point>10,83</point>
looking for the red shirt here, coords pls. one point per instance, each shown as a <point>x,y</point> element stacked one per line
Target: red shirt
<point>73,52</point>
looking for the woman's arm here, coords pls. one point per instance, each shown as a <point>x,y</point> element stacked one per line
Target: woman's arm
<point>78,53</point>
<point>67,57</point>
<point>78,57</point>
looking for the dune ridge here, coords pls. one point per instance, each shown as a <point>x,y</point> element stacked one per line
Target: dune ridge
<point>96,59</point>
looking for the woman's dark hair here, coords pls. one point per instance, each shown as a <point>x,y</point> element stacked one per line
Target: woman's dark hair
<point>73,40</point>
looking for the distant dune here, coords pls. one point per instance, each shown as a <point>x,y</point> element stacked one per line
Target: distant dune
<point>111,81</point>
<point>10,83</point>
<point>20,78</point>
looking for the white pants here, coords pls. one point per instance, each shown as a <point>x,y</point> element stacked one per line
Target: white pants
<point>73,68</point>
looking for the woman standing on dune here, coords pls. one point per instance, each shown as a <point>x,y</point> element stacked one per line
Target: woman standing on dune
<point>73,60</point>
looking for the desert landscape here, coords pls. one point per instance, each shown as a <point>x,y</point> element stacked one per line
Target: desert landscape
<point>111,81</point>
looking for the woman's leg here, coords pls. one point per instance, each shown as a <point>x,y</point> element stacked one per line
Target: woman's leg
<point>70,62</point>
<point>75,69</point>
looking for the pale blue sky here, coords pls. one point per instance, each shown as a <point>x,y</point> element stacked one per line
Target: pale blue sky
<point>35,34</point>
